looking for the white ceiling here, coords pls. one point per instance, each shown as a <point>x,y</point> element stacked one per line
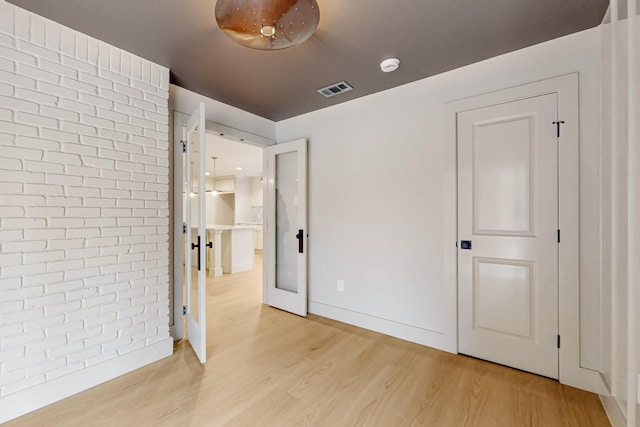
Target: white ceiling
<point>232,154</point>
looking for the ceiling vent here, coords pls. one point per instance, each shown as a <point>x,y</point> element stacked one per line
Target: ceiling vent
<point>335,89</point>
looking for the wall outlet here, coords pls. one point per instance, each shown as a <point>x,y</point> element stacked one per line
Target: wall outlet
<point>340,285</point>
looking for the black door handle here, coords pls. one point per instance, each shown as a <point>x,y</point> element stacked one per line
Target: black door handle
<point>300,237</point>
<point>465,244</point>
<point>194,246</point>
<point>209,245</point>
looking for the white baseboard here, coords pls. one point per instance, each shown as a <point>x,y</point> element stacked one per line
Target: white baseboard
<point>615,414</point>
<point>438,340</point>
<point>25,401</point>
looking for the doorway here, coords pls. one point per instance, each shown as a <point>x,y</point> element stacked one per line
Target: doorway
<point>207,185</point>
<point>233,224</point>
<point>225,188</point>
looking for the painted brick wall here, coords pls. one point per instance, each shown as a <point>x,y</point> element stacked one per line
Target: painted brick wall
<point>84,215</point>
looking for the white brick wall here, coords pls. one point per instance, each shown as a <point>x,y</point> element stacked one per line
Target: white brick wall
<point>83,201</point>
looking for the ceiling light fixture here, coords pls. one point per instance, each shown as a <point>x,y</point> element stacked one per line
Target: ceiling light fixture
<point>268,24</point>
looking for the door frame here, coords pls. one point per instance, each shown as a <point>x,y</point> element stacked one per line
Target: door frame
<point>176,318</point>
<point>567,89</point>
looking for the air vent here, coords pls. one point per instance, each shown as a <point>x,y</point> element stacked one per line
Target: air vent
<point>335,89</point>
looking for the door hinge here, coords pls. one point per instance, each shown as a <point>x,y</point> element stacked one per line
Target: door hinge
<point>184,310</point>
<point>558,123</point>
<point>184,146</point>
<point>184,228</point>
<point>558,235</point>
<point>558,341</point>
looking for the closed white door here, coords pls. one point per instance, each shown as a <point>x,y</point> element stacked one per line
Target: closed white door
<point>286,227</point>
<point>195,237</point>
<point>508,234</point>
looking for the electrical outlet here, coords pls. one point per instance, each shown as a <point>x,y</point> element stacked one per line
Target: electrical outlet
<point>340,285</point>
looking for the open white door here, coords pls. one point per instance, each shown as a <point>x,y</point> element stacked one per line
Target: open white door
<point>195,236</point>
<point>286,227</point>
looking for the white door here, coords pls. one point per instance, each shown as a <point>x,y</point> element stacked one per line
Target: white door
<point>286,227</point>
<point>195,236</point>
<point>508,234</point>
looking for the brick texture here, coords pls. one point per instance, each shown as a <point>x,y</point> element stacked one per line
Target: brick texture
<point>83,201</point>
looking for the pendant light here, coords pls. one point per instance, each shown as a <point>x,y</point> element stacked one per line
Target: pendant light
<point>268,24</point>
<point>213,177</point>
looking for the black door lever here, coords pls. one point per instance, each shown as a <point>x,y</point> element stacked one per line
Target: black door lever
<point>194,246</point>
<point>300,237</point>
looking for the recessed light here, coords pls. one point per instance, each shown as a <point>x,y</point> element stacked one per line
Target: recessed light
<point>238,168</point>
<point>389,65</point>
<point>207,174</point>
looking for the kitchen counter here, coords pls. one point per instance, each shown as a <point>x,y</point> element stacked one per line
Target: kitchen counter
<point>228,227</point>
<point>233,248</point>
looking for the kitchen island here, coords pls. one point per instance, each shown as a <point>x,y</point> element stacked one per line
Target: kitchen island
<point>233,248</point>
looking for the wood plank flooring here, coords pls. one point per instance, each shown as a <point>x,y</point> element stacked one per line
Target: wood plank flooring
<point>266,367</point>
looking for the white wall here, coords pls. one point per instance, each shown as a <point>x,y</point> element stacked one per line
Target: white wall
<point>377,198</point>
<point>616,228</point>
<point>84,183</point>
<point>256,192</point>
<point>225,207</point>
<point>243,197</point>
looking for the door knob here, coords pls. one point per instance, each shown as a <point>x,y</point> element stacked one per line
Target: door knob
<point>465,244</point>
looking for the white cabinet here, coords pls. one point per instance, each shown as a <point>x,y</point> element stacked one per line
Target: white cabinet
<point>258,237</point>
<point>236,254</point>
<point>257,234</point>
<point>233,249</point>
<point>243,200</point>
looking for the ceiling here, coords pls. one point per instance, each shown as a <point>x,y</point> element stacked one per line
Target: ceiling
<point>428,36</point>
<point>232,155</point>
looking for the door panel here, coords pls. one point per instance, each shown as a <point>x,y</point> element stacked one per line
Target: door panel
<point>502,292</point>
<point>286,205</point>
<point>286,227</point>
<point>195,262</point>
<point>502,168</point>
<point>508,210</point>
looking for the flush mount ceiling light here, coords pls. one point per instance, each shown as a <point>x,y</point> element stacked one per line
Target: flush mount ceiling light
<point>268,24</point>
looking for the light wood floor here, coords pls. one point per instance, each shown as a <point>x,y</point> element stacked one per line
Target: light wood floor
<point>266,367</point>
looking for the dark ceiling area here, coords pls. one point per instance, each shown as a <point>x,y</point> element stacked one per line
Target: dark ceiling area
<point>353,37</point>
